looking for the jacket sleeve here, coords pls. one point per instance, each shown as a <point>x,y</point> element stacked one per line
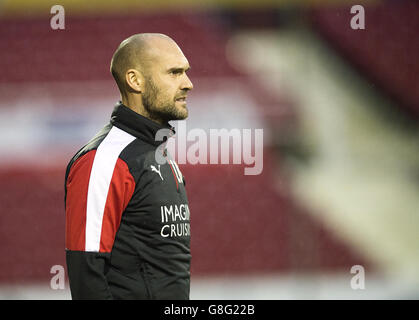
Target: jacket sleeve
<point>86,272</point>
<point>97,192</point>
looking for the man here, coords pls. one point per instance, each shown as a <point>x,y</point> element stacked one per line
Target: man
<point>127,216</point>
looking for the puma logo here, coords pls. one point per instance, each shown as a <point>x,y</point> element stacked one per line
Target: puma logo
<point>153,168</point>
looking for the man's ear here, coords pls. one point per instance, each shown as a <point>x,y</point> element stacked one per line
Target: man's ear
<point>134,80</point>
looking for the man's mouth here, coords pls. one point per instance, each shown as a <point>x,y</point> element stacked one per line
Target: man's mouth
<point>181,99</point>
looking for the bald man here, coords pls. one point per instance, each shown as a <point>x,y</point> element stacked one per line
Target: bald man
<point>127,215</point>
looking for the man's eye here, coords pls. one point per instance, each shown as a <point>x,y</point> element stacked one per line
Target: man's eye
<point>176,72</point>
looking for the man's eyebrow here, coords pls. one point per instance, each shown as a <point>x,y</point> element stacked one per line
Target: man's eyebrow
<point>179,69</point>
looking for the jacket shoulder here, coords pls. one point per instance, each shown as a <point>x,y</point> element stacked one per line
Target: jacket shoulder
<point>137,155</point>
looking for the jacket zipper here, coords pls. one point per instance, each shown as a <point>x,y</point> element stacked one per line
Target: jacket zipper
<point>144,276</point>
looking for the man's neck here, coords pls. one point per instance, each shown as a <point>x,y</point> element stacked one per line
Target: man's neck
<point>137,106</point>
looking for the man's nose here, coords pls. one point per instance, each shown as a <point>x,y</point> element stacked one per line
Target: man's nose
<point>187,84</point>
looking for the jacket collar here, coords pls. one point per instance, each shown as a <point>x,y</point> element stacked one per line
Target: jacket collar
<point>139,126</point>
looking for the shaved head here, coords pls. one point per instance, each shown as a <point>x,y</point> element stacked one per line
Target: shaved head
<point>135,52</point>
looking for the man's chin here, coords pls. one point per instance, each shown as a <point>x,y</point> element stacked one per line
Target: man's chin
<point>182,113</point>
<point>175,113</point>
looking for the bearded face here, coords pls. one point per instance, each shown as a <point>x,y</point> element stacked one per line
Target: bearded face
<point>162,102</point>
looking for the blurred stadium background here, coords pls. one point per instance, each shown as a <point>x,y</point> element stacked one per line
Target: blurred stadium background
<point>339,109</point>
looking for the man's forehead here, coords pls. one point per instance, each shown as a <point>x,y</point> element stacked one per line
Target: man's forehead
<point>171,57</point>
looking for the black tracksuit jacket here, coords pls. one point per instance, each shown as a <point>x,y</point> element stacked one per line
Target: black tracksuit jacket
<point>127,216</point>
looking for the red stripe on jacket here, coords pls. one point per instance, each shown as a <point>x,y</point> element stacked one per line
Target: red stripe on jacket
<point>119,194</point>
